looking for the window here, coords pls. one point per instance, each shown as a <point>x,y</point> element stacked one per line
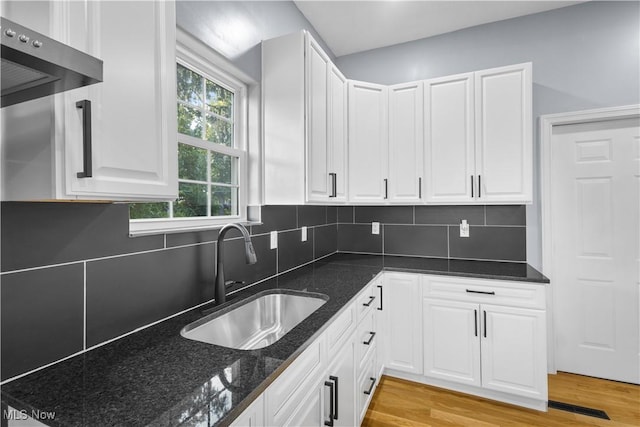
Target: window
<point>211,114</point>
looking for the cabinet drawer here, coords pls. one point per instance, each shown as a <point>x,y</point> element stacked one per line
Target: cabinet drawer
<point>366,386</point>
<point>295,383</point>
<point>367,301</point>
<point>499,292</point>
<point>341,329</point>
<point>366,338</point>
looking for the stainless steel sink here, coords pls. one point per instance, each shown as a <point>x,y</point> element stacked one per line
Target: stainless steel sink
<point>256,322</point>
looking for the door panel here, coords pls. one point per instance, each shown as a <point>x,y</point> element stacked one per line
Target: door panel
<point>452,341</point>
<point>594,215</point>
<point>449,138</point>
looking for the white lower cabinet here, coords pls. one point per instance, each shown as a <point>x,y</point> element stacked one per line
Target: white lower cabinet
<point>340,387</point>
<point>487,338</point>
<point>253,416</point>
<point>477,336</point>
<point>400,316</point>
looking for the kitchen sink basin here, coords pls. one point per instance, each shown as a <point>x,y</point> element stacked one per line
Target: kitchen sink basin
<point>257,321</point>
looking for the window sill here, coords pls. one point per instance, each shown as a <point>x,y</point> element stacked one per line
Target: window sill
<point>148,227</point>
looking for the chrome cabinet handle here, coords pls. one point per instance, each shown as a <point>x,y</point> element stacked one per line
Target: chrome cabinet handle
<point>386,188</point>
<point>420,188</point>
<point>479,186</point>
<point>367,304</point>
<point>87,171</point>
<point>380,287</point>
<point>335,404</point>
<point>472,185</point>
<point>471,291</point>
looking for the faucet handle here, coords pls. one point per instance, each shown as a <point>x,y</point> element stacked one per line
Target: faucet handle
<point>234,282</point>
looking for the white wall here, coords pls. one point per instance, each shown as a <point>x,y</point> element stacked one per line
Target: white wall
<point>584,56</point>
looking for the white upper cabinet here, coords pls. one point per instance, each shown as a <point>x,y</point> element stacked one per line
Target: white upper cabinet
<point>305,122</point>
<point>449,138</point>
<point>368,142</point>
<point>406,142</point>
<point>503,134</point>
<point>133,146</point>
<point>338,154</point>
<point>478,140</point>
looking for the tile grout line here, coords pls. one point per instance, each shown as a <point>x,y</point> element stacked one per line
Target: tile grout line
<point>84,313</point>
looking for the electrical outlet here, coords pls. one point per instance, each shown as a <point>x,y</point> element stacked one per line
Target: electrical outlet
<point>464,228</point>
<point>375,228</point>
<point>274,239</point>
<point>304,234</point>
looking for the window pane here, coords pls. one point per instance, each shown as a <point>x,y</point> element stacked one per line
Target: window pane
<point>192,200</point>
<point>192,163</point>
<point>223,168</point>
<point>189,121</point>
<point>148,210</point>
<point>189,86</point>
<point>219,100</point>
<point>224,201</point>
<point>219,131</point>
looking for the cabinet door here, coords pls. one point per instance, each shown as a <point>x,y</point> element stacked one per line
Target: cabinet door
<point>310,412</point>
<point>503,134</point>
<point>514,351</point>
<point>449,139</point>
<point>134,115</point>
<point>253,416</point>
<point>337,135</point>
<point>317,143</point>
<point>405,142</point>
<point>367,142</point>
<point>403,334</point>
<point>452,341</point>
<point>342,373</point>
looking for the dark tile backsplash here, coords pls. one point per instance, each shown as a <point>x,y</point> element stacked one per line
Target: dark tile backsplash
<point>57,257</point>
<point>42,317</point>
<point>417,240</point>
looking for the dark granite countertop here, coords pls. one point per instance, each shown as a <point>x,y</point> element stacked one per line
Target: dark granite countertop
<point>156,377</point>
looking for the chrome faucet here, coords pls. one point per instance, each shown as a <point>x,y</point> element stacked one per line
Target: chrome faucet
<point>250,257</point>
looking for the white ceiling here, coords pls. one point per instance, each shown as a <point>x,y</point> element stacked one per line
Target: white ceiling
<point>355,26</point>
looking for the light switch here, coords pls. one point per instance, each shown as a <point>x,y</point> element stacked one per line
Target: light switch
<point>375,228</point>
<point>464,228</point>
<point>304,234</point>
<point>274,239</point>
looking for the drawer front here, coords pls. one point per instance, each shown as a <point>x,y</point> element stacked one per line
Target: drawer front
<point>366,338</point>
<point>341,329</point>
<point>367,383</point>
<point>286,392</point>
<point>484,291</point>
<point>367,301</point>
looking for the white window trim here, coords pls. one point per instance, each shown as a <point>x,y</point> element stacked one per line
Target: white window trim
<point>192,53</point>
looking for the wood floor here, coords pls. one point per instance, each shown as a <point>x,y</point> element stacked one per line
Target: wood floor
<point>399,403</point>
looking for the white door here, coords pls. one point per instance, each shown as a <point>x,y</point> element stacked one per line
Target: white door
<point>133,110</point>
<point>449,139</point>
<point>337,133</point>
<point>342,373</point>
<point>452,341</point>
<point>514,350</point>
<point>503,134</point>
<point>317,162</point>
<point>403,304</point>
<point>405,142</point>
<point>367,142</point>
<point>595,176</point>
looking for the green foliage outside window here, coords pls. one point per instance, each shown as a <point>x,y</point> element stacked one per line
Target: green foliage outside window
<point>205,111</point>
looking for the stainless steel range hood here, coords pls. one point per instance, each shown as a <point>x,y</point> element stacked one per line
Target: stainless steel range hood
<point>34,65</point>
